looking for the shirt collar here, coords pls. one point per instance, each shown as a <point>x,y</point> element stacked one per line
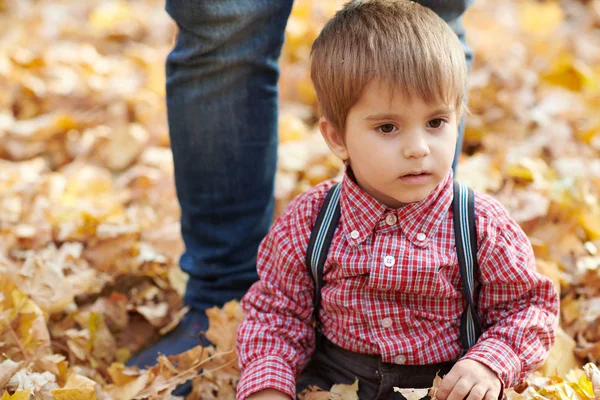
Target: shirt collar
<point>419,221</point>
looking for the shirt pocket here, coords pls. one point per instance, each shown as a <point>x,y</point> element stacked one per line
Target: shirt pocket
<point>428,278</point>
<point>346,263</point>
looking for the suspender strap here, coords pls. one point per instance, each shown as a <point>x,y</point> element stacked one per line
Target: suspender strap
<point>318,246</point>
<point>465,234</point>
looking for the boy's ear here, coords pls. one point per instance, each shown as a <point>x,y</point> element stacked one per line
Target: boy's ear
<point>333,138</point>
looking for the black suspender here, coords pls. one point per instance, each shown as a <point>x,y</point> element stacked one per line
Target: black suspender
<point>463,206</point>
<point>318,246</point>
<point>465,236</point>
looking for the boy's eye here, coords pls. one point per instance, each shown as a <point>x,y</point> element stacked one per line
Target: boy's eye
<point>436,123</point>
<point>387,128</point>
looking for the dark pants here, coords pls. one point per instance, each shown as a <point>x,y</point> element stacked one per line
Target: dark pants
<point>331,365</point>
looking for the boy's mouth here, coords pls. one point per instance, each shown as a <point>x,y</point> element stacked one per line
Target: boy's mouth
<point>416,178</point>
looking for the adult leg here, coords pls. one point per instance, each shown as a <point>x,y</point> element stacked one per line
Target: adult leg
<point>452,11</point>
<point>222,111</point>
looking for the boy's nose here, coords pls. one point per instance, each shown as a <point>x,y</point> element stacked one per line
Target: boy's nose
<point>416,146</point>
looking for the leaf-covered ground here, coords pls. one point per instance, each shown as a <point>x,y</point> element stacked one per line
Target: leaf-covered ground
<point>89,231</point>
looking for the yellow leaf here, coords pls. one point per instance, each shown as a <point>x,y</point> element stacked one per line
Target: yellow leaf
<point>74,394</point>
<point>306,91</point>
<point>122,354</point>
<point>21,395</point>
<point>77,388</point>
<point>18,395</point>
<point>93,328</point>
<point>586,386</point>
<point>590,222</point>
<point>32,329</point>
<point>122,375</point>
<point>109,14</point>
<point>65,121</point>
<point>589,134</point>
<point>528,169</point>
<point>593,375</point>
<point>571,73</point>
<point>130,386</point>
<point>474,134</point>
<point>561,358</point>
<point>291,128</point>
<point>540,18</point>
<point>520,172</point>
<point>570,309</point>
<point>551,270</point>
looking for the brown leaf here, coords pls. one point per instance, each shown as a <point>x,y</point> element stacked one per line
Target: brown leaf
<point>222,325</point>
<point>128,382</point>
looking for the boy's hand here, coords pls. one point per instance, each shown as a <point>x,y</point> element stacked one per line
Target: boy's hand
<point>268,394</point>
<point>472,378</point>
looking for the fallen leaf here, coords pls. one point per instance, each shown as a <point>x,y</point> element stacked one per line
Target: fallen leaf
<point>7,369</point>
<point>346,392</point>
<point>412,394</point>
<point>77,388</point>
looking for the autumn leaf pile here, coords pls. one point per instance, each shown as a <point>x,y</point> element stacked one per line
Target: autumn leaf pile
<point>89,220</point>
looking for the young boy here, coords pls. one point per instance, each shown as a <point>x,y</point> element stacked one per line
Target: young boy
<point>391,78</point>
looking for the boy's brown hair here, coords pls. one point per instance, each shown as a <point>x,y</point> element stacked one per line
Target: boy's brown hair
<point>398,42</point>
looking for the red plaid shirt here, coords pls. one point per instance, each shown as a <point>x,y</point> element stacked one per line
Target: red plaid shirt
<point>392,287</point>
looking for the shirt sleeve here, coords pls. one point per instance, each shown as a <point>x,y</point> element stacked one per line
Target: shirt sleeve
<point>517,306</point>
<point>276,338</point>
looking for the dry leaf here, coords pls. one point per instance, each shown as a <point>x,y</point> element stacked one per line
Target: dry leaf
<point>128,382</point>
<point>346,392</point>
<point>39,384</point>
<point>18,395</point>
<point>593,375</point>
<point>412,394</point>
<point>223,324</point>
<point>77,388</point>
<point>337,392</point>
<point>7,369</point>
<point>561,359</point>
<point>90,220</point>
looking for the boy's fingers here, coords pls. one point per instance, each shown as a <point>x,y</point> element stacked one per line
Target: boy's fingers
<point>492,394</point>
<point>460,390</point>
<point>447,385</point>
<point>478,392</point>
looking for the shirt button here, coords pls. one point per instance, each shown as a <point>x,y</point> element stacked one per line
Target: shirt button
<point>391,219</point>
<point>354,234</point>
<point>389,261</point>
<point>386,322</point>
<point>400,360</point>
<point>421,237</point>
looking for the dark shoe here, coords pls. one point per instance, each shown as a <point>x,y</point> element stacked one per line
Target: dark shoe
<point>182,338</point>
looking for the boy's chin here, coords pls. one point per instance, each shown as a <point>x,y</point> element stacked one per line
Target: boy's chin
<point>414,197</point>
<point>402,201</point>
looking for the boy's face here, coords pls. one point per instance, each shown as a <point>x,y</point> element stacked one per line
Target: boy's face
<point>399,149</point>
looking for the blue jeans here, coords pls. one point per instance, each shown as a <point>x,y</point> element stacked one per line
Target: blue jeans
<point>222,111</point>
